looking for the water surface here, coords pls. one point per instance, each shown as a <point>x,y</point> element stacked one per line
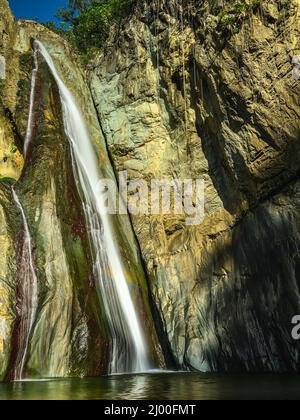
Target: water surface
<point>158,386</point>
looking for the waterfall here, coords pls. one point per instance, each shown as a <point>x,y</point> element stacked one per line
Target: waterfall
<point>31,103</point>
<point>28,294</point>
<point>128,347</point>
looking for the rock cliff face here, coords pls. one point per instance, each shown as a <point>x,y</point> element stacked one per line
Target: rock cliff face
<point>180,96</point>
<point>175,94</point>
<point>70,335</point>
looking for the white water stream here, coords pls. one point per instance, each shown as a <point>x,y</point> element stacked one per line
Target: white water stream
<point>31,103</point>
<point>27,294</point>
<point>128,346</point>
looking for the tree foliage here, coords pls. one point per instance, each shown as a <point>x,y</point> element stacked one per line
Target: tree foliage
<point>235,12</point>
<point>73,10</point>
<point>89,21</point>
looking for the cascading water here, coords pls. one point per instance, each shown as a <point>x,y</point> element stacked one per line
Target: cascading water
<point>28,284</point>
<point>31,103</point>
<point>128,347</point>
<point>28,294</point>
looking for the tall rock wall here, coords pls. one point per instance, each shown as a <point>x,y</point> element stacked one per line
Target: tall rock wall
<point>70,333</point>
<point>181,95</point>
<point>177,92</point>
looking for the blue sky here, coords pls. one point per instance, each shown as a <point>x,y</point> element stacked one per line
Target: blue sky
<point>36,9</point>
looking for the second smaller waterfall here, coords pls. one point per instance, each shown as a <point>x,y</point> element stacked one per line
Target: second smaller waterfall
<point>27,294</point>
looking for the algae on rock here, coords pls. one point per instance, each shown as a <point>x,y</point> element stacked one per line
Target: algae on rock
<point>70,335</point>
<point>173,95</point>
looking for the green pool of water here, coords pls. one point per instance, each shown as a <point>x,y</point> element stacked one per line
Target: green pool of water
<point>158,386</point>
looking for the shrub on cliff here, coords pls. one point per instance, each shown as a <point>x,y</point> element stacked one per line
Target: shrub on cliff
<point>89,21</point>
<point>234,13</point>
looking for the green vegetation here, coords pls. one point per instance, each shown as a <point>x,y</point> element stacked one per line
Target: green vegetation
<point>87,22</point>
<point>13,149</point>
<point>7,179</point>
<point>62,29</point>
<point>235,13</point>
<point>2,85</point>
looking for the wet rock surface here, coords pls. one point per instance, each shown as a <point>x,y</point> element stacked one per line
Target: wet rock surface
<point>172,95</point>
<point>178,96</point>
<point>70,335</point>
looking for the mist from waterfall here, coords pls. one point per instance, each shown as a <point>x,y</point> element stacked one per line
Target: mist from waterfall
<point>128,346</point>
<point>27,294</point>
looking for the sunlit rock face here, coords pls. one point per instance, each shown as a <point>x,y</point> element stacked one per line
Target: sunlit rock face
<point>70,335</point>
<point>11,161</point>
<point>172,95</point>
<point>178,96</point>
